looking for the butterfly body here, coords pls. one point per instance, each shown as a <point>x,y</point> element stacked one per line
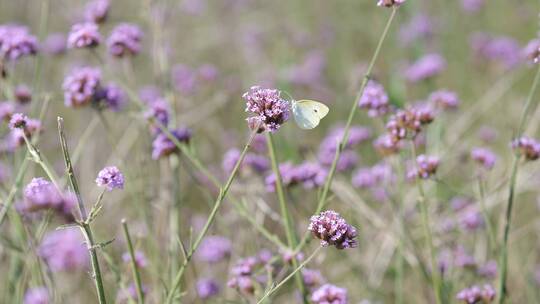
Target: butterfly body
<point>308,113</point>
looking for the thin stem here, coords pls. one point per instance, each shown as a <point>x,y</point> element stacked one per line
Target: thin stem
<point>489,225</point>
<point>135,268</point>
<point>435,276</point>
<point>221,197</point>
<point>352,112</point>
<point>503,263</point>
<point>292,240</point>
<point>271,291</point>
<point>85,227</point>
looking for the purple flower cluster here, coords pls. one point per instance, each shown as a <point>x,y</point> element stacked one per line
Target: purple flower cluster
<point>125,40</point>
<point>54,44</point>
<point>64,250</point>
<point>80,86</point>
<point>110,178</point>
<point>386,145</point>
<point>532,51</point>
<point>255,162</point>
<point>333,230</point>
<point>329,294</point>
<point>312,278</point>
<point>36,295</point>
<point>84,35</point>
<point>16,42</point>
<point>426,166</point>
<point>348,158</point>
<point>444,99</point>
<point>163,146</point>
<point>270,110</point>
<point>472,6</point>
<point>20,126</point>
<point>477,295</point>
<point>242,274</point>
<point>41,194</point>
<point>309,174</point>
<point>214,249</point>
<point>528,147</point>
<point>390,3</point>
<point>503,50</point>
<point>96,11</point>
<point>310,71</point>
<point>113,97</point>
<point>23,95</point>
<point>207,288</point>
<point>426,67</point>
<point>484,156</point>
<point>374,178</point>
<point>420,27</point>
<point>407,123</point>
<point>471,218</point>
<point>374,99</point>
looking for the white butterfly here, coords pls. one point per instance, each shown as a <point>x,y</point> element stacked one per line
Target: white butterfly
<point>308,113</point>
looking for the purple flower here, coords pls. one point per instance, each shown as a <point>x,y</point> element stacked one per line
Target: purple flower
<point>81,86</point>
<point>312,278</point>
<point>6,110</point>
<point>472,6</point>
<point>140,258</point>
<point>484,157</point>
<point>184,79</point>
<point>84,35</point>
<point>41,194</point>
<point>310,71</point>
<point>487,134</point>
<point>406,123</point>
<point>419,27</point>
<point>311,175</point>
<point>64,250</point>
<point>369,177</point>
<point>208,72</point>
<point>333,230</point>
<point>476,295</point>
<point>386,145</point>
<point>504,50</point>
<point>207,288</point>
<point>113,96</point>
<point>36,295</point>
<point>241,274</point>
<point>532,51</point>
<point>23,94</point>
<point>488,270</point>
<point>287,174</point>
<point>528,147</point>
<point>463,259</point>
<point>16,42</point>
<point>125,40</point>
<point>214,249</point>
<point>270,110</point>
<point>374,99</point>
<point>426,67</point>
<point>426,166</point>
<point>149,94</point>
<point>329,294</point>
<point>55,44</point>
<point>96,11</point>
<point>110,178</point>
<point>444,99</point>
<point>164,146</point>
<point>257,163</point>
<point>159,110</point>
<point>471,219</point>
<point>18,121</point>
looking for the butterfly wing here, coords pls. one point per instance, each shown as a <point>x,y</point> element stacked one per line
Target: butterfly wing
<point>308,113</point>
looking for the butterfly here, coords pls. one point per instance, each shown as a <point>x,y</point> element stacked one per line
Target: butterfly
<point>308,113</point>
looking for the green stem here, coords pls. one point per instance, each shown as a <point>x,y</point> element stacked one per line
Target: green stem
<point>352,112</point>
<point>135,268</point>
<point>292,240</point>
<point>221,197</point>
<point>435,275</point>
<point>489,225</point>
<point>503,263</point>
<point>85,227</point>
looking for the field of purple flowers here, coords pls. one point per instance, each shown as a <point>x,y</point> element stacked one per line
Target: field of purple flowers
<point>250,151</point>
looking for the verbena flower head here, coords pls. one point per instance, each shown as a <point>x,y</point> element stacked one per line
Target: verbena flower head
<point>184,79</point>
<point>18,121</point>
<point>484,157</point>
<point>311,175</point>
<point>23,94</point>
<point>312,278</point>
<point>112,97</point>
<point>207,288</point>
<point>84,35</point>
<point>270,110</point>
<point>502,50</point>
<point>125,40</point>
<point>527,147</point>
<point>36,295</point>
<point>310,71</point>
<point>426,166</point>
<point>477,295</point>
<point>81,86</point>
<point>404,124</point>
<point>472,6</point>
<point>426,67</point>
<point>333,230</point>
<point>532,51</point>
<point>7,109</point>
<point>214,249</point>
<point>420,28</point>
<point>374,99</point>
<point>369,177</point>
<point>41,194</point>
<point>242,274</point>
<point>159,110</point>
<point>163,146</point>
<point>444,99</point>
<point>96,11</point>
<point>390,3</point>
<point>54,44</point>
<point>471,219</point>
<point>386,145</point>
<point>64,250</point>
<point>140,258</point>
<point>16,42</point>
<point>110,178</point>
<point>488,270</point>
<point>329,294</point>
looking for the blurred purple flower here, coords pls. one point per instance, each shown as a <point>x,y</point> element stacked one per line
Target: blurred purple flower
<point>426,67</point>
<point>385,145</point>
<point>129,294</point>
<point>184,79</point>
<point>149,94</point>
<point>426,166</point>
<point>7,109</point>
<point>369,177</point>
<point>419,27</point>
<point>471,219</point>
<point>504,50</point>
<point>17,121</point>
<point>484,157</point>
<point>208,72</point>
<point>16,42</point>
<point>113,96</point>
<point>36,295</point>
<point>164,146</point>
<point>84,35</point>
<point>488,270</point>
<point>270,110</point>
<point>487,134</point>
<point>310,71</point>
<point>81,86</point>
<point>41,194</point>
<point>207,288</point>
<point>329,294</point>
<point>214,249</point>
<point>55,44</point>
<point>64,250</point>
<point>312,278</point>
<point>472,6</point>
<point>311,175</point>
<point>444,99</point>
<point>159,110</point>
<point>333,230</point>
<point>476,295</point>
<point>532,51</point>
<point>96,11</point>
<point>110,178</point>
<point>140,258</point>
<point>23,94</point>
<point>374,99</point>
<point>125,40</point>
<point>528,147</point>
